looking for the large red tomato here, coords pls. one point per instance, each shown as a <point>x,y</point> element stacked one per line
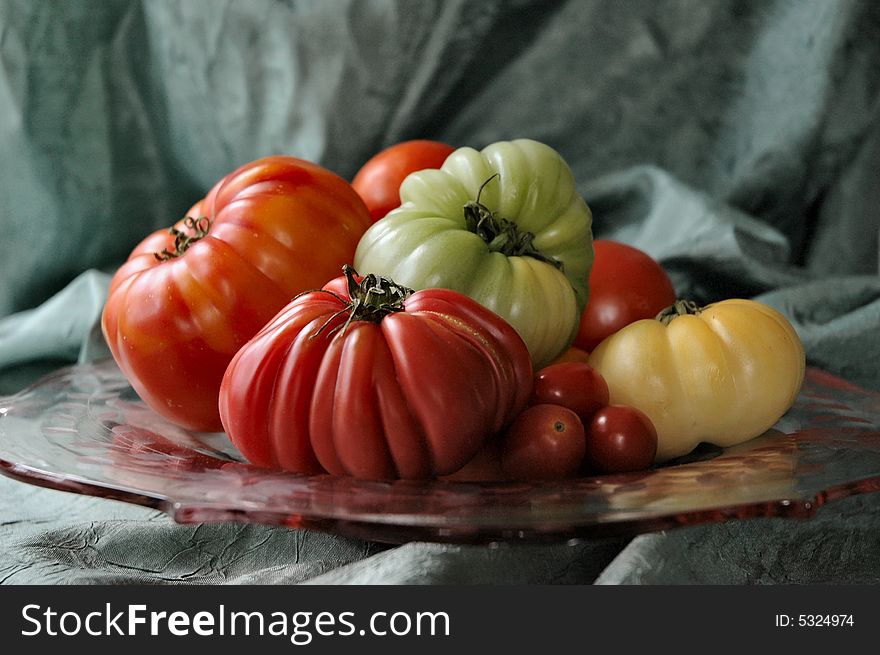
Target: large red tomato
<point>626,285</point>
<point>186,301</point>
<point>378,182</point>
<point>367,379</point>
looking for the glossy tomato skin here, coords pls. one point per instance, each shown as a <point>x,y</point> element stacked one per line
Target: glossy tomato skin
<point>620,439</point>
<point>545,442</point>
<point>174,325</point>
<point>414,395</point>
<point>378,181</point>
<point>626,285</point>
<point>575,385</point>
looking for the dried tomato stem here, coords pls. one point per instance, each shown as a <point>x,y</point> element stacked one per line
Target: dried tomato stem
<point>679,308</point>
<point>371,299</point>
<point>199,228</point>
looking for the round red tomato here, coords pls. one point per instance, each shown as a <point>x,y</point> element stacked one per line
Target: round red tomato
<point>367,379</point>
<point>187,300</point>
<point>626,285</point>
<point>619,439</point>
<point>545,442</point>
<point>378,181</point>
<point>574,385</point>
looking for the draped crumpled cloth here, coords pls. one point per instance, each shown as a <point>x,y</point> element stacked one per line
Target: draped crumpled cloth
<point>736,142</point>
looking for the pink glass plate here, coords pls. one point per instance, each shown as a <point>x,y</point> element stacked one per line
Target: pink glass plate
<point>83,429</point>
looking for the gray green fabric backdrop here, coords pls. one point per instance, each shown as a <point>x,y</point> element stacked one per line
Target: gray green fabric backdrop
<point>738,142</point>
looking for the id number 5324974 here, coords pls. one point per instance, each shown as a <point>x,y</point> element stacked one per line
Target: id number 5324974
<point>815,620</point>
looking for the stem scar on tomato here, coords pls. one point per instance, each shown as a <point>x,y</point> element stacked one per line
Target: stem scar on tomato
<point>680,308</point>
<point>371,299</point>
<point>183,240</point>
<point>500,234</point>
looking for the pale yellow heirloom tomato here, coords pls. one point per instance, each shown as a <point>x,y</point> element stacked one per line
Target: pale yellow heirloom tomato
<point>722,374</point>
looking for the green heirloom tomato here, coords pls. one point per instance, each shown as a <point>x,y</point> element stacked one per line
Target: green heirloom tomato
<point>506,227</point>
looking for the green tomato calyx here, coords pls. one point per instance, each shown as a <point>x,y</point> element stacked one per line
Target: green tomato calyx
<point>680,308</point>
<point>198,229</point>
<point>500,234</point>
<point>370,298</point>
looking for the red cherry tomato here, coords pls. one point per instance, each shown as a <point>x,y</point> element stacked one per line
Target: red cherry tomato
<point>619,439</point>
<point>545,442</point>
<point>378,181</point>
<point>626,285</point>
<point>574,385</point>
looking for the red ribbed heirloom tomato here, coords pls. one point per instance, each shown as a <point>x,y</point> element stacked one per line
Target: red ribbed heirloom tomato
<point>368,379</point>
<point>188,299</point>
